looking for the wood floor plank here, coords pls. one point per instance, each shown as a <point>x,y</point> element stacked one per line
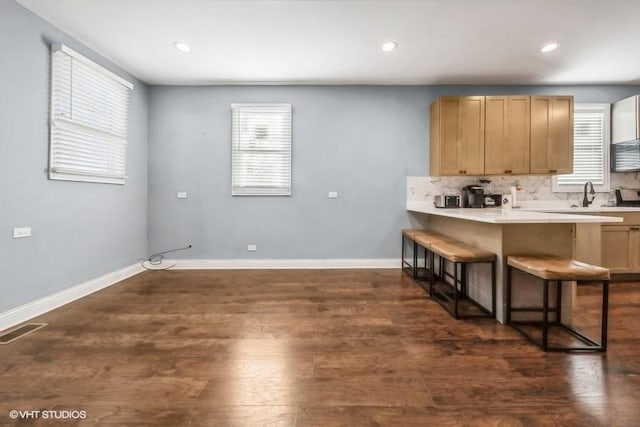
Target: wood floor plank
<point>311,348</point>
<point>243,416</point>
<point>373,391</point>
<point>428,416</point>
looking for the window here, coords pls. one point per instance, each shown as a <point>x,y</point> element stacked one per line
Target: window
<point>591,124</point>
<point>261,150</point>
<point>89,120</point>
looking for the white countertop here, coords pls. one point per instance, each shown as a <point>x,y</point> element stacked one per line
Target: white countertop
<point>590,209</point>
<point>513,216</point>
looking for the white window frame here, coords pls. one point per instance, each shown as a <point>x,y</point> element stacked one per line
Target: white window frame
<point>88,126</point>
<point>239,183</point>
<point>606,185</point>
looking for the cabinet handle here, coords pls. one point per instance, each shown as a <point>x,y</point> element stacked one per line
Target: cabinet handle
<point>507,171</point>
<point>635,228</point>
<point>553,170</point>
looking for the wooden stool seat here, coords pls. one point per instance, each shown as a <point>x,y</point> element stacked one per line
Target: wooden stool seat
<point>427,239</point>
<point>557,268</point>
<point>410,233</point>
<point>461,252</point>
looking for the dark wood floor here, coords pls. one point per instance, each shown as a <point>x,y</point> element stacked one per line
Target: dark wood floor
<point>308,348</point>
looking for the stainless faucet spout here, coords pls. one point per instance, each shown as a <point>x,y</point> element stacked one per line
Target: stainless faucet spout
<point>585,200</point>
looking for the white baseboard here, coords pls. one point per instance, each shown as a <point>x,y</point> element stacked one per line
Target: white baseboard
<point>205,264</point>
<point>36,308</point>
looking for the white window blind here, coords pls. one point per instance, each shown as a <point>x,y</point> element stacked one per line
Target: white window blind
<point>261,150</point>
<point>590,149</point>
<point>89,120</point>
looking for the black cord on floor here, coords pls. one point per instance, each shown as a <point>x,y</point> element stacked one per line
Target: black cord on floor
<point>156,259</point>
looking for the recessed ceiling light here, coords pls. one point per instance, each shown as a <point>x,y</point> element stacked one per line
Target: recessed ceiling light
<point>389,46</point>
<point>551,46</point>
<point>182,47</point>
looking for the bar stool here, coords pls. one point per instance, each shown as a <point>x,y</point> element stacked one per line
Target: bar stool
<point>460,255</point>
<point>418,239</point>
<point>406,266</point>
<point>559,270</point>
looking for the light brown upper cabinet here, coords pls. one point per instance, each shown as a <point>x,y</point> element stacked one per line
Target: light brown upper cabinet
<point>498,135</point>
<point>457,136</point>
<point>506,133</point>
<point>551,134</point>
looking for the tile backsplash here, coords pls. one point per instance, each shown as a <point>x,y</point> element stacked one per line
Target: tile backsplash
<point>533,187</point>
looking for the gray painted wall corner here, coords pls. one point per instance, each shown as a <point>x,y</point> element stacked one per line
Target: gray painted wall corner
<point>80,231</point>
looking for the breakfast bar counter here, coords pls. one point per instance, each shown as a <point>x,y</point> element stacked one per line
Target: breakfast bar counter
<point>512,232</point>
<point>511,216</point>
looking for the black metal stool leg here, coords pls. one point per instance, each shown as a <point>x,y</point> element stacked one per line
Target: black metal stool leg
<point>493,289</point>
<point>508,295</point>
<point>455,290</point>
<point>463,279</point>
<point>426,253</point>
<point>432,277</point>
<point>415,260</point>
<point>545,315</point>
<point>605,314</point>
<point>559,302</point>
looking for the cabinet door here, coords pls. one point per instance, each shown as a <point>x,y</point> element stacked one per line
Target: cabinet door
<point>507,134</point>
<point>459,143</point>
<point>634,249</point>
<point>449,130</point>
<point>617,249</point>
<point>551,134</point>
<point>471,147</point>
<point>434,139</point>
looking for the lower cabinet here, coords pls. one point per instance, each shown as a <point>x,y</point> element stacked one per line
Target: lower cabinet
<point>621,248</point>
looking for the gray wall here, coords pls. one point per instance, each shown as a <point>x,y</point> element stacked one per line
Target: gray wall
<point>80,230</point>
<point>361,141</point>
<point>358,141</point>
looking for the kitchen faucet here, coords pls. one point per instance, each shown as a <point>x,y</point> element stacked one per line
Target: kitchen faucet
<point>585,201</point>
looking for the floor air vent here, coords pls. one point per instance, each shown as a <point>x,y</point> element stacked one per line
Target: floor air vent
<point>10,336</point>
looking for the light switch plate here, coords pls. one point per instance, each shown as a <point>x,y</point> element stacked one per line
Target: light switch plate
<point>182,195</point>
<point>22,232</point>
<point>252,248</point>
<point>333,194</point>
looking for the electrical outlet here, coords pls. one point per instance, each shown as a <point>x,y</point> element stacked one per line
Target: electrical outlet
<point>252,248</point>
<point>333,194</point>
<point>20,233</point>
<point>182,195</point>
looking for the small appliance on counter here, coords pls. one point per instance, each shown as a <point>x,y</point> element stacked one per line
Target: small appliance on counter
<point>628,197</point>
<point>472,196</point>
<point>446,201</point>
<point>492,200</point>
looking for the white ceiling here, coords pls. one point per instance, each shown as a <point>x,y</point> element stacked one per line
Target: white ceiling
<point>338,42</point>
